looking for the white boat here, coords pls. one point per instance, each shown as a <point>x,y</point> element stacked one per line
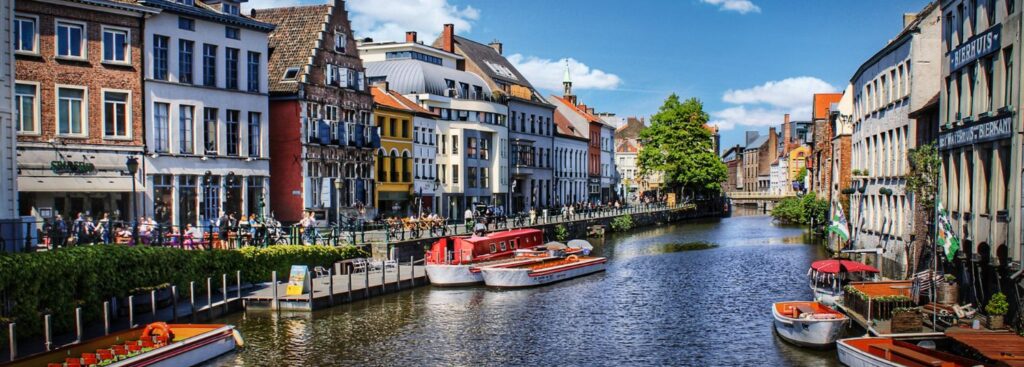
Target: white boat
<point>887,352</point>
<point>827,278</point>
<point>451,261</point>
<point>534,273</point>
<point>808,324</point>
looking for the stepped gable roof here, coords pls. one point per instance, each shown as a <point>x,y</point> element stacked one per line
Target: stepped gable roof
<point>630,130</point>
<point>292,43</point>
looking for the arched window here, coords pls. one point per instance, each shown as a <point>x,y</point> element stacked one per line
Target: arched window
<point>394,166</point>
<point>407,163</point>
<point>381,172</point>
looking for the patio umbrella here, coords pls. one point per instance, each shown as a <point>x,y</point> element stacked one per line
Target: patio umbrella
<point>836,266</point>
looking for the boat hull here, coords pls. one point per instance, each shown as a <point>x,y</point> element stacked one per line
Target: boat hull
<point>853,357</point>
<point>812,333</point>
<point>523,277</point>
<point>453,275</point>
<point>190,352</point>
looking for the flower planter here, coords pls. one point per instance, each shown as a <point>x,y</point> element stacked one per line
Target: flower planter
<point>906,321</point>
<point>949,294</point>
<point>995,322</point>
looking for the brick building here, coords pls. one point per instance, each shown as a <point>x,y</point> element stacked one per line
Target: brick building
<point>79,92</point>
<point>820,161</point>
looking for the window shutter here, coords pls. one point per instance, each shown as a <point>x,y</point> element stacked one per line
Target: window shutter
<point>361,81</point>
<point>329,74</point>
<point>343,77</point>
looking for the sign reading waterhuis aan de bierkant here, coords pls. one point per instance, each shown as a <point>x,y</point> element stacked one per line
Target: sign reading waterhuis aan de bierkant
<point>998,127</point>
<point>975,48</point>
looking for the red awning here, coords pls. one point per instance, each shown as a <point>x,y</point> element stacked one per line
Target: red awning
<point>841,266</point>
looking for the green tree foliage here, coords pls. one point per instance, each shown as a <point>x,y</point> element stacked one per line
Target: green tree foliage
<point>678,144</point>
<point>922,180</point>
<point>802,175</point>
<point>561,233</point>
<point>623,223</point>
<point>801,210</point>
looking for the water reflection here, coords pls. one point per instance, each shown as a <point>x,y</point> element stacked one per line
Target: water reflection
<point>708,307</point>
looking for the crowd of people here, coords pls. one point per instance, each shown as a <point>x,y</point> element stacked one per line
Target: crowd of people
<point>58,232</point>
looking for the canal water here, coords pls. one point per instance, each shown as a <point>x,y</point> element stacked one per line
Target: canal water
<point>654,305</point>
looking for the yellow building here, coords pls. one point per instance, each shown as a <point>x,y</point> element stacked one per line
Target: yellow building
<point>797,160</point>
<point>393,194</point>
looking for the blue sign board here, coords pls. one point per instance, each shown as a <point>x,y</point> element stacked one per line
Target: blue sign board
<point>975,48</point>
<point>989,129</point>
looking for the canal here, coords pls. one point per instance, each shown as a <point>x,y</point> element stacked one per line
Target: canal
<point>655,305</point>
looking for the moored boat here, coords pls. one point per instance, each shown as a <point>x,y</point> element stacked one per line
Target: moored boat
<point>888,352</point>
<point>157,344</point>
<point>808,324</point>
<point>827,278</point>
<point>539,272</point>
<point>450,260</point>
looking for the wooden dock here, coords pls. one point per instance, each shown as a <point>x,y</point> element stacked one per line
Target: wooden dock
<point>882,328</point>
<point>338,289</point>
<point>1002,347</point>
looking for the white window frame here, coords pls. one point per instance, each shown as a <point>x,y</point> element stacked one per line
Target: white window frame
<point>127,44</point>
<point>35,38</point>
<point>339,34</point>
<point>128,114</point>
<point>36,110</point>
<point>85,39</point>
<point>85,110</point>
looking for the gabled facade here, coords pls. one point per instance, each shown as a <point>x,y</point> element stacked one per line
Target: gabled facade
<point>398,167</point>
<point>9,226</point>
<point>323,136</point>
<point>582,118</point>
<point>821,150</point>
<point>571,148</point>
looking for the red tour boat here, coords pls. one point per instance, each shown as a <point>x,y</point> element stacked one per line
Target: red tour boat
<point>454,260</point>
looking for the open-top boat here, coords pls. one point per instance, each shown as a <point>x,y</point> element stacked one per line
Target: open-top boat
<point>534,272</point>
<point>157,344</point>
<point>808,324</point>
<point>450,259</point>
<point>827,278</point>
<point>888,352</point>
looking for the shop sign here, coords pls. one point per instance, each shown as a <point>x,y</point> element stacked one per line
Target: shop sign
<point>72,167</point>
<point>994,128</point>
<point>975,48</point>
<point>297,284</point>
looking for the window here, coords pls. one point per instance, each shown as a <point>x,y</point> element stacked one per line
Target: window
<point>405,128</point>
<point>253,80</point>
<point>990,11</point>
<point>988,64</point>
<point>70,39</point>
<point>26,108</point>
<point>116,114</point>
<point>160,57</point>
<point>1008,80</point>
<point>186,24</point>
<point>189,3</point>
<point>115,45</point>
<point>971,81</point>
<point>290,73</point>
<point>209,65</point>
<point>340,40</point>
<point>399,55</point>
<point>25,35</point>
<point>233,131</point>
<point>210,130</point>
<point>231,68</point>
<point>71,112</point>
<point>160,127</point>
<point>455,144</point>
<point>186,129</point>
<point>471,173</point>
<point>232,33</point>
<point>455,174</point>
<point>255,138</point>
<point>483,178</point>
<point>230,8</point>
<point>185,49</point>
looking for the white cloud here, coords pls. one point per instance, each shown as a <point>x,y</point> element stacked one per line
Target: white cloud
<point>739,6</point>
<point>548,74</point>
<point>389,20</point>
<point>765,104</point>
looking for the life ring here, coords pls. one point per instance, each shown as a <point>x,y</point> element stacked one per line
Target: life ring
<point>165,330</point>
<point>572,258</point>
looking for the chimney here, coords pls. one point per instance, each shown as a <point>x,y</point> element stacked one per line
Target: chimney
<point>496,46</point>
<point>590,110</point>
<point>382,85</point>
<point>787,135</point>
<point>773,142</point>
<point>448,38</point>
<point>410,37</point>
<point>908,18</point>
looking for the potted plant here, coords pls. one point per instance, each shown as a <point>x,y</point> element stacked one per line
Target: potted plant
<point>949,290</point>
<point>996,309</point>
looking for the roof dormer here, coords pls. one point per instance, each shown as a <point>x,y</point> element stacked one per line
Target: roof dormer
<point>229,7</point>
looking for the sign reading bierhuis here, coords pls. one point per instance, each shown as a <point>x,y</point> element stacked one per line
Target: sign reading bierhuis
<point>994,128</point>
<point>975,48</point>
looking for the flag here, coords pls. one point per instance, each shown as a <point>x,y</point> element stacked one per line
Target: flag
<point>944,235</point>
<point>839,225</point>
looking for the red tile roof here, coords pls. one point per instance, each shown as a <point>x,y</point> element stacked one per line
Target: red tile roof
<point>394,100</point>
<point>579,110</point>
<point>626,147</point>
<point>822,101</point>
<point>565,127</point>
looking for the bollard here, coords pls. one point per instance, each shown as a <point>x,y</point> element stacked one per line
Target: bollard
<point>152,303</point>
<point>273,280</point>
<point>224,288</point>
<point>238,282</point>
<point>209,297</point>
<point>383,277</point>
<point>192,300</point>
<point>174,303</point>
<point>106,318</point>
<point>366,280</point>
<point>78,325</point>
<point>13,340</point>
<point>412,278</point>
<point>398,270</point>
<point>46,332</point>
<point>330,290</point>
<point>349,285</point>
<point>131,311</point>
<point>309,278</point>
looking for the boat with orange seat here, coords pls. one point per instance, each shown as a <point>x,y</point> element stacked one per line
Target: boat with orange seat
<point>534,272</point>
<point>157,344</point>
<point>451,260</point>
<point>808,323</point>
<point>888,352</point>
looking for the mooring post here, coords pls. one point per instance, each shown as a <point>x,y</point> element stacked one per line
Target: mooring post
<point>398,272</point>
<point>46,331</point>
<point>224,288</point>
<point>106,318</point>
<point>174,303</point>
<point>273,281</point>
<point>412,278</point>
<point>309,278</point>
<point>131,311</point>
<point>78,325</point>
<point>152,303</point>
<point>383,276</point>
<point>349,285</point>
<point>366,280</point>
<point>238,282</point>
<point>13,340</point>
<point>192,299</point>
<point>330,290</point>
<point>209,297</point>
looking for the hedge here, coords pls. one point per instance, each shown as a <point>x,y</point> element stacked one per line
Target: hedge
<point>55,282</point>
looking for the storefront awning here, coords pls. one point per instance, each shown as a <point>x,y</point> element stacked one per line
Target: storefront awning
<point>75,184</point>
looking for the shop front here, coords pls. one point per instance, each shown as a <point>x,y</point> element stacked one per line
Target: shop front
<point>183,190</point>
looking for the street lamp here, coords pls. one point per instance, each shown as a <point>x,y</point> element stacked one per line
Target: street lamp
<point>337,200</point>
<point>132,164</point>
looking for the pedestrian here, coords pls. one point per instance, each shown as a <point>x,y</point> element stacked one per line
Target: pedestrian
<point>104,228</point>
<point>60,232</point>
<point>223,227</point>
<point>533,216</point>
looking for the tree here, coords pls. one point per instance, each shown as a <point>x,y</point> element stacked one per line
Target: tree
<point>922,180</point>
<point>678,144</point>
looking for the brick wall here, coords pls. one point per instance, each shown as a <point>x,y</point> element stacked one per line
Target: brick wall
<point>822,158</point>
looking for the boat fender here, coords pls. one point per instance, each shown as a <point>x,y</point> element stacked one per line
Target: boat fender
<point>165,330</point>
<point>239,341</point>
<point>572,258</point>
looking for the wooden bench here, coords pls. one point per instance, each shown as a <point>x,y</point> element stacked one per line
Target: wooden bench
<point>907,355</point>
<point>805,309</point>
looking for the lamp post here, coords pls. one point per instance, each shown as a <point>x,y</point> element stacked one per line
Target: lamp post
<point>132,164</point>
<point>337,200</point>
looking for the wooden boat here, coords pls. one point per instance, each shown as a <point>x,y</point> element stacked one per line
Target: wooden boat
<point>529,273</point>
<point>450,259</point>
<point>827,278</point>
<point>808,324</point>
<point>157,344</point>
<point>887,352</point>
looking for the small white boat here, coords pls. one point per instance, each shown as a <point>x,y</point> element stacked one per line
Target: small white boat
<point>451,261</point>
<point>887,352</point>
<point>808,324</point>
<point>531,273</point>
<point>827,278</point>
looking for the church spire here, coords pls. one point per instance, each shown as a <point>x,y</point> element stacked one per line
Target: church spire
<point>567,84</point>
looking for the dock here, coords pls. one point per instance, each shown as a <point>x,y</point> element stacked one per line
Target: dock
<point>1002,347</point>
<point>332,290</point>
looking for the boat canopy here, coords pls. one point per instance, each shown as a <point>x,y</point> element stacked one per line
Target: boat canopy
<point>834,266</point>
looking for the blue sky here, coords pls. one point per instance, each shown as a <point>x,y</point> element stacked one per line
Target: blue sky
<point>749,61</point>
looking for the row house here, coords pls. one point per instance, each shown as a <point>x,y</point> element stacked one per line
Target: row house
<point>840,118</point>
<point>471,131</point>
<point>979,138</point>
<point>821,148</point>
<point>583,118</point>
<point>733,159</point>
<point>9,218</point>
<point>896,80</point>
<point>206,112</point>
<point>758,155</point>
<point>323,140</point>
<point>571,149</point>
<point>78,96</point>
<point>396,117</point>
<point>530,122</point>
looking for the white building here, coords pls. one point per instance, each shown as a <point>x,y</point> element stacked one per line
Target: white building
<point>9,230</point>
<point>424,145</point>
<point>206,112</point>
<point>571,154</point>
<point>608,173</point>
